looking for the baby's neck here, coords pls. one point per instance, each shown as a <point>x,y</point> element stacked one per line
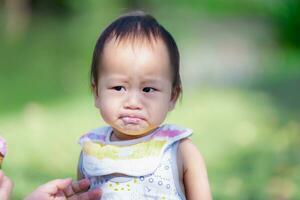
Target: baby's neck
<point>116,136</point>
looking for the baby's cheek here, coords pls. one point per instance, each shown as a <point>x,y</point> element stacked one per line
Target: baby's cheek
<point>159,113</point>
<point>105,108</point>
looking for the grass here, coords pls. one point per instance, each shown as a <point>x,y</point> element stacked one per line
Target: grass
<point>238,132</point>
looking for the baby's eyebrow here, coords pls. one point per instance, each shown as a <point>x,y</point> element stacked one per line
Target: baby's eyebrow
<point>153,80</point>
<point>117,78</point>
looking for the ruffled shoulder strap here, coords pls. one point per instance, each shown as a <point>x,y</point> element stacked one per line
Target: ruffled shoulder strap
<point>171,133</point>
<point>96,135</point>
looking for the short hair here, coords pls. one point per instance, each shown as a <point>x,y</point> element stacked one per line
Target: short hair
<point>133,25</point>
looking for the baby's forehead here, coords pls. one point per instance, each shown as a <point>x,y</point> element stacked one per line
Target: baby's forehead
<point>151,50</point>
<point>135,54</point>
<point>134,41</point>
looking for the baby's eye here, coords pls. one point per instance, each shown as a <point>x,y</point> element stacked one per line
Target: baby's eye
<point>118,88</point>
<point>148,89</point>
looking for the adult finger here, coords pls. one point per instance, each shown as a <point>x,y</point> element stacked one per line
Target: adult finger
<point>77,187</point>
<point>1,176</point>
<point>56,185</point>
<point>93,194</point>
<point>6,188</point>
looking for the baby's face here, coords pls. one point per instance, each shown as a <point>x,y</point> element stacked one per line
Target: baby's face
<point>135,86</point>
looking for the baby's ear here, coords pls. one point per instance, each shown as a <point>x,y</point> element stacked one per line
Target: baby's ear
<point>171,105</point>
<point>95,93</point>
<point>94,89</point>
<point>174,97</point>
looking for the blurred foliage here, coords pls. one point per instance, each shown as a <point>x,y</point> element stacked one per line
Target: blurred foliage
<point>287,19</point>
<point>54,7</point>
<point>283,14</point>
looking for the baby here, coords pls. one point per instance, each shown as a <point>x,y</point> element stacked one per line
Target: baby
<point>136,82</point>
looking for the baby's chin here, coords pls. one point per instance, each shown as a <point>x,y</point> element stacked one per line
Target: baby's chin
<point>134,130</point>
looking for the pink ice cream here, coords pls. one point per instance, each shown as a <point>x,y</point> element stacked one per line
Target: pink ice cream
<point>2,150</point>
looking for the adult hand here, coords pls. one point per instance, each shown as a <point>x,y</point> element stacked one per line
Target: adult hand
<point>65,189</point>
<point>6,186</point>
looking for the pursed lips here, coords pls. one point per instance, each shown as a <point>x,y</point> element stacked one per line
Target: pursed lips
<point>131,119</point>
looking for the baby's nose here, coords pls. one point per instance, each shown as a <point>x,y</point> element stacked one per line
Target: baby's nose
<point>133,101</point>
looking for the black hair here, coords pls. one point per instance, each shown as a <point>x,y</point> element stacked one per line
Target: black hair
<point>138,24</point>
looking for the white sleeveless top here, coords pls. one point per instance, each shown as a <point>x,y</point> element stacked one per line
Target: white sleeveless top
<point>143,168</point>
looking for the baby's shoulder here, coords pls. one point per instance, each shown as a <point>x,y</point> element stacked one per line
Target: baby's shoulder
<point>189,154</point>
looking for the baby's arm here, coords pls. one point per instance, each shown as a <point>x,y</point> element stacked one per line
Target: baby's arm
<point>79,172</point>
<point>194,172</point>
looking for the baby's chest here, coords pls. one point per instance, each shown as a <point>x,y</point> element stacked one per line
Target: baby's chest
<point>158,185</point>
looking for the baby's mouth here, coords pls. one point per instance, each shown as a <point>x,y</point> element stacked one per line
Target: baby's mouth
<point>131,119</point>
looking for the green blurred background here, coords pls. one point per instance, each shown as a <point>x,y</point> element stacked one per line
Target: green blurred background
<point>241,77</point>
